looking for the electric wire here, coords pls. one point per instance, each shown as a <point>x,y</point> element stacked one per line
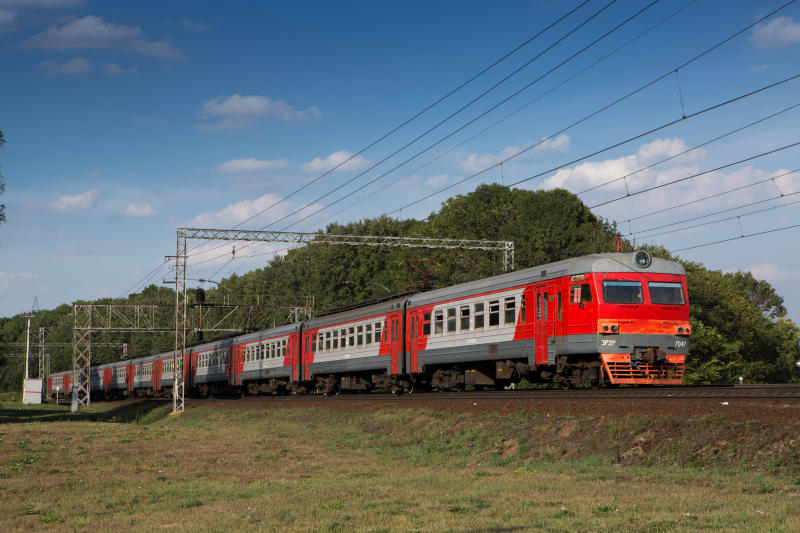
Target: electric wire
<point>698,174</point>
<point>597,13</point>
<point>743,236</point>
<point>458,129</point>
<point>607,148</point>
<point>516,111</point>
<point>426,109</point>
<point>600,110</point>
<point>704,198</point>
<point>695,58</point>
<point>706,143</point>
<point>675,230</point>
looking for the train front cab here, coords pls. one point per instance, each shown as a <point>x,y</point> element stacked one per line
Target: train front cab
<point>639,316</point>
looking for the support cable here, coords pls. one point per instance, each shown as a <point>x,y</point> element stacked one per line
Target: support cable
<point>436,143</point>
<point>618,26</point>
<point>703,224</point>
<point>692,176</point>
<point>737,238</point>
<point>706,143</point>
<point>509,115</point>
<point>426,109</point>
<point>715,195</point>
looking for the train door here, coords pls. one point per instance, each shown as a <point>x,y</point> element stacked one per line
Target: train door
<point>414,332</point>
<point>396,342</point>
<point>557,314</point>
<point>305,352</point>
<point>543,326</point>
<point>293,345</point>
<point>232,363</point>
<point>549,314</point>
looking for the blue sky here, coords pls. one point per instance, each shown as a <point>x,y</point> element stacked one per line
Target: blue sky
<point>125,120</point>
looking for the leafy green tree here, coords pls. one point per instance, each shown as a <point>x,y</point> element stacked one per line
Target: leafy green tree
<point>739,328</point>
<point>739,323</point>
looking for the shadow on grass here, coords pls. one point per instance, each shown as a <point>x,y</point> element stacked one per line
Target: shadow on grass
<point>130,411</point>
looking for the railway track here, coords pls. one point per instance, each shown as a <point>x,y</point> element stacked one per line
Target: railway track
<point>736,392</point>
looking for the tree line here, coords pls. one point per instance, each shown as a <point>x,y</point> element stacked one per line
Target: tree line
<point>739,323</point>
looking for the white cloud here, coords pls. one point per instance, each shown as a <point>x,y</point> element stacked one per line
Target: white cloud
<point>239,111</point>
<point>192,25</point>
<point>114,69</point>
<point>760,68</point>
<point>772,273</point>
<point>324,164</point>
<point>593,173</point>
<point>777,33</point>
<point>8,279</point>
<point>436,181</point>
<point>79,65</point>
<point>6,16</point>
<point>237,212</point>
<point>136,210</point>
<point>478,162</point>
<point>75,202</point>
<point>242,166</point>
<point>92,32</point>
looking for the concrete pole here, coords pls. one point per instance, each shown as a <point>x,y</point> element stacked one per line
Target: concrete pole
<point>27,347</point>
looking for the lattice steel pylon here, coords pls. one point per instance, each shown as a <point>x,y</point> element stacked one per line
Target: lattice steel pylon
<point>184,234</point>
<point>44,368</point>
<point>81,352</point>
<point>180,324</point>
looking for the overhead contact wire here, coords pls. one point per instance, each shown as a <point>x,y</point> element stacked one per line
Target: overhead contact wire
<point>420,113</point>
<point>470,122</point>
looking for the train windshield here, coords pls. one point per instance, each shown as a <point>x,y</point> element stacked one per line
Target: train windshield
<point>666,293</point>
<point>622,292</point>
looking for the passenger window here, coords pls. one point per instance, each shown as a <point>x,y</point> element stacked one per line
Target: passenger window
<point>360,335</point>
<point>343,338</point>
<point>336,339</point>
<point>351,336</point>
<point>426,324</point>
<point>479,315</point>
<point>464,318</point>
<point>494,312</point>
<point>368,340</point>
<point>522,310</point>
<point>438,322</point>
<point>451,319</point>
<point>378,332</point>
<point>511,310</point>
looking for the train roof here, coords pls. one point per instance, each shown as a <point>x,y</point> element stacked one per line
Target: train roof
<point>609,262</point>
<point>357,313</point>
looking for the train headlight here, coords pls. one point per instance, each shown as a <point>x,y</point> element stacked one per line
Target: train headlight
<point>607,328</point>
<point>642,259</point>
<point>686,329</point>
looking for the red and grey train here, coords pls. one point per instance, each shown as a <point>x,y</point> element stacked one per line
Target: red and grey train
<point>616,318</point>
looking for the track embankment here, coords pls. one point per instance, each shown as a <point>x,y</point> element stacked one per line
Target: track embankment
<point>748,403</point>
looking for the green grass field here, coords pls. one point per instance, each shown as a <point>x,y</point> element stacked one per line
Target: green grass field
<point>131,466</point>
